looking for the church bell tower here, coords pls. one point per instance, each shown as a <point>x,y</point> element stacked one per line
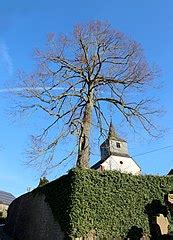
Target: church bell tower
<point>115,156</point>
<point>113,145</point>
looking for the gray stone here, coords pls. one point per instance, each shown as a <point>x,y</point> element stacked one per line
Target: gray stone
<point>31,218</point>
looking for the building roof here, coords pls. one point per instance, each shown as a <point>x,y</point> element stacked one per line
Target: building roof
<point>113,134</point>
<point>6,198</point>
<point>170,172</point>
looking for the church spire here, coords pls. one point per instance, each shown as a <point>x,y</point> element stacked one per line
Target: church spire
<point>112,133</point>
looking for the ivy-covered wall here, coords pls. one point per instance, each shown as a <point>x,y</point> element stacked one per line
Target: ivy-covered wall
<point>111,203</point>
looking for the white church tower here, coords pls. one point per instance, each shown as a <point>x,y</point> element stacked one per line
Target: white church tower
<point>115,156</point>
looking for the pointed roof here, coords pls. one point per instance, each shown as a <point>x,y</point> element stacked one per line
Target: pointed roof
<point>113,135</point>
<point>170,172</point>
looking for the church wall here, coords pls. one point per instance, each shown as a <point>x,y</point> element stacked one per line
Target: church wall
<point>122,164</point>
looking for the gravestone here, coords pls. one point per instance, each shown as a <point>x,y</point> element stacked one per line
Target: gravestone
<point>170,198</point>
<point>163,223</point>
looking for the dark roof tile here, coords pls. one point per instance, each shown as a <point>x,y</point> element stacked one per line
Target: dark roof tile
<point>170,172</point>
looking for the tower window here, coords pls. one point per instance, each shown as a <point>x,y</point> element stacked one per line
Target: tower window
<point>118,144</point>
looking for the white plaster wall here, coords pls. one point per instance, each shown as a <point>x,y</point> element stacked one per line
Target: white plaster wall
<point>128,165</point>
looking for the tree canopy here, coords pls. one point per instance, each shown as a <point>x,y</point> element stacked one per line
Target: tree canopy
<point>77,75</point>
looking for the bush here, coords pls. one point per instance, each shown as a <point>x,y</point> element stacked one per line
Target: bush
<point>111,203</point>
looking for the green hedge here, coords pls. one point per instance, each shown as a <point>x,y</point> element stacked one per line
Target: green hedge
<point>109,203</point>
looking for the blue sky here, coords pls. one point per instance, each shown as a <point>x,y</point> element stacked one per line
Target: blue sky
<point>24,26</point>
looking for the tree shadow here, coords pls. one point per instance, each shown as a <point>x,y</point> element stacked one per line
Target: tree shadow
<point>135,233</point>
<point>168,198</point>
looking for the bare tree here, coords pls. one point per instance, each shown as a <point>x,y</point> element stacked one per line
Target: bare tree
<point>76,75</point>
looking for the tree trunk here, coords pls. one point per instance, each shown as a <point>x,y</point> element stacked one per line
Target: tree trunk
<point>84,146</point>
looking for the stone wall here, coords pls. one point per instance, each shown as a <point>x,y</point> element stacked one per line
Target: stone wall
<point>30,218</point>
<point>3,210</point>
